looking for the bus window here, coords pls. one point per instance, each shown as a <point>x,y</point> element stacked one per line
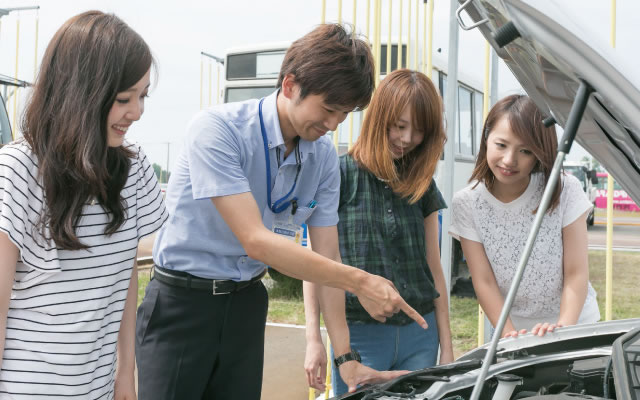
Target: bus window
<point>233,94</point>
<point>478,122</point>
<point>465,122</point>
<point>268,64</point>
<point>5,128</point>
<point>254,65</point>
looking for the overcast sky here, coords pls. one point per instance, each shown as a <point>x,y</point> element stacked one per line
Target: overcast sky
<point>178,31</point>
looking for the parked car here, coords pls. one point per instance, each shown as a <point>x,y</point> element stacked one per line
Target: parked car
<point>554,61</point>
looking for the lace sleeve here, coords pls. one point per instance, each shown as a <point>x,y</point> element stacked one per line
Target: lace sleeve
<point>573,200</point>
<point>462,224</point>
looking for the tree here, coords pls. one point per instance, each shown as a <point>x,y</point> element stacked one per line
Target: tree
<point>595,164</point>
<point>161,174</point>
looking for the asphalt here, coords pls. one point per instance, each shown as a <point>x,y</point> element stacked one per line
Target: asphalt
<point>626,234</point>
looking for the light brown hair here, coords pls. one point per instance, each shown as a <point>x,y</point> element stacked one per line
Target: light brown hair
<point>332,62</point>
<point>525,120</point>
<point>412,175</point>
<point>90,59</point>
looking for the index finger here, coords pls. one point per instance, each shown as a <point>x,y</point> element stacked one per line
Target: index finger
<point>413,314</point>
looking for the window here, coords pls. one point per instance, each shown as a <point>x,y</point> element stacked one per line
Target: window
<point>468,117</point>
<point>268,64</point>
<point>479,122</point>
<point>465,140</point>
<point>254,65</point>
<point>394,58</point>
<point>245,93</point>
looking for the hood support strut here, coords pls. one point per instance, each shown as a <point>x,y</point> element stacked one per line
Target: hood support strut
<point>571,129</point>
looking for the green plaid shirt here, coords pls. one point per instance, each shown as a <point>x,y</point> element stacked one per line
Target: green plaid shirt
<point>383,234</point>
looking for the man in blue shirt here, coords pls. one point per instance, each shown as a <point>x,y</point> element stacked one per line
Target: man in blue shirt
<point>250,174</point>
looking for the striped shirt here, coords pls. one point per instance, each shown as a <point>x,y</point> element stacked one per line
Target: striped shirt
<point>66,305</point>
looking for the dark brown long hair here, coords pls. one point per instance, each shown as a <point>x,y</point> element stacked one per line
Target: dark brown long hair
<point>525,120</point>
<point>332,62</point>
<point>398,90</point>
<point>90,59</point>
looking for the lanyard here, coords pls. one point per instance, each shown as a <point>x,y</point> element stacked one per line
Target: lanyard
<point>280,205</point>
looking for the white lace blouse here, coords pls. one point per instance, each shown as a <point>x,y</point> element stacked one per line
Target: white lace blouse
<point>503,228</point>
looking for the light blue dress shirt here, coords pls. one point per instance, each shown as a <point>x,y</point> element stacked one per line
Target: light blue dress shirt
<point>224,155</point>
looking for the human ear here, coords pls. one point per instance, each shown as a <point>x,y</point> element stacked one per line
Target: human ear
<point>289,86</point>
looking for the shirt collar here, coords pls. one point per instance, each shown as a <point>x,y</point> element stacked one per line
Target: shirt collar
<point>271,121</point>
<point>273,130</point>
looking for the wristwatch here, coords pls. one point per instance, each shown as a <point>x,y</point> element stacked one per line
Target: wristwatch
<point>350,356</point>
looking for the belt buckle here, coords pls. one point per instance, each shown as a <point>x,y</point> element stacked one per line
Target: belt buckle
<point>215,292</point>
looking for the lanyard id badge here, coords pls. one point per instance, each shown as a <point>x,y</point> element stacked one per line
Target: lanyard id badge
<point>283,225</point>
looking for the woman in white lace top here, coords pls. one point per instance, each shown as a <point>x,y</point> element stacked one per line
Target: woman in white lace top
<point>493,215</point>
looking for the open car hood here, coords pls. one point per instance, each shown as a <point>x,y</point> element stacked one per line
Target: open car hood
<point>550,58</point>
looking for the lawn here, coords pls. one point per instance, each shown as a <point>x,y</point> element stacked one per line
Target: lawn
<point>285,304</point>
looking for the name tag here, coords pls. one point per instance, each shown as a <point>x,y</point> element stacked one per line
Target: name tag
<point>284,226</point>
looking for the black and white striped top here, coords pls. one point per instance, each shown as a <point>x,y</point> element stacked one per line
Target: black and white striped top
<point>66,306</point>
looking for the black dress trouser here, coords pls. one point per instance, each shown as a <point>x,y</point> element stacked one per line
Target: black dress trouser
<point>192,345</point>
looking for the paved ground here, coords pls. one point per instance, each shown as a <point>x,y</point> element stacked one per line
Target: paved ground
<point>626,233</point>
<point>284,376</point>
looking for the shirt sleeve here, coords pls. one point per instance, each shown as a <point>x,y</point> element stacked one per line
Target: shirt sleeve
<point>150,210</point>
<point>573,200</point>
<point>432,200</point>
<point>462,224</point>
<point>328,194</point>
<point>20,208</point>
<point>214,156</point>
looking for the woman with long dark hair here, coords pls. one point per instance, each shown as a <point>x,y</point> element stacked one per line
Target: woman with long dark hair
<point>75,199</point>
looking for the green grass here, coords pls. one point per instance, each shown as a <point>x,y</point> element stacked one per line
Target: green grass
<point>286,305</point>
<point>601,212</point>
<point>143,280</point>
<point>626,282</point>
<point>286,311</point>
<point>463,317</point>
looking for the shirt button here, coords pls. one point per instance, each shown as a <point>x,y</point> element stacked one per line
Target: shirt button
<point>397,260</point>
<point>404,285</point>
<point>386,186</point>
<point>389,211</point>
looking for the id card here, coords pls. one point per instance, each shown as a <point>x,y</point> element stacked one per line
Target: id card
<point>283,225</point>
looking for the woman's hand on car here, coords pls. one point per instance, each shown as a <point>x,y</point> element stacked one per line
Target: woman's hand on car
<point>542,328</point>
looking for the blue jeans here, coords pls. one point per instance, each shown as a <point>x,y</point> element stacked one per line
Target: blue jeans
<point>391,347</point>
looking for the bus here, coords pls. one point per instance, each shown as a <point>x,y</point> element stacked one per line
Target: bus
<point>621,200</point>
<point>252,72</point>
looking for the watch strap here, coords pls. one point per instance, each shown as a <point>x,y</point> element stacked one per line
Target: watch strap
<point>350,356</point>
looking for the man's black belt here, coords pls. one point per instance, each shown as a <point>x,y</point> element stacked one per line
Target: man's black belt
<point>216,286</point>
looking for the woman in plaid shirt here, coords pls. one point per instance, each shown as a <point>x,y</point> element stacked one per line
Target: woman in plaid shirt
<point>388,226</point>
